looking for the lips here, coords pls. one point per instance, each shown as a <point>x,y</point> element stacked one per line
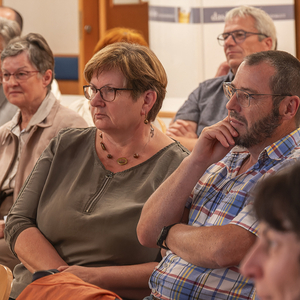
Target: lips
<point>234,118</point>
<point>13,92</point>
<point>99,115</point>
<point>230,52</point>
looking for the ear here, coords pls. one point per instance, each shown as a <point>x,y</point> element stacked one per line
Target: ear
<point>47,78</point>
<point>289,107</point>
<point>149,98</point>
<point>268,43</point>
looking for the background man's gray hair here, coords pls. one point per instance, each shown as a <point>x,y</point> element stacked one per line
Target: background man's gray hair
<point>263,22</point>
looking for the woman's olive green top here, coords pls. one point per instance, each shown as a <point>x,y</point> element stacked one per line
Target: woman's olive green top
<point>88,213</point>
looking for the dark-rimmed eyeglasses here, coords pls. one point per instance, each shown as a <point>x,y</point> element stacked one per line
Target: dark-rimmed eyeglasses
<point>237,35</point>
<point>107,93</point>
<point>19,76</point>
<point>242,96</point>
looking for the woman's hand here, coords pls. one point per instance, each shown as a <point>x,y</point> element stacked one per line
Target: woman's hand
<point>84,273</point>
<point>181,128</point>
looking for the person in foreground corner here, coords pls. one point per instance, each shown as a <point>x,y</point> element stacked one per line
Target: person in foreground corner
<point>208,232</point>
<point>79,208</point>
<point>273,262</point>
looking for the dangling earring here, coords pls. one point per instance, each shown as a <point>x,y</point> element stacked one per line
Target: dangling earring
<point>146,121</point>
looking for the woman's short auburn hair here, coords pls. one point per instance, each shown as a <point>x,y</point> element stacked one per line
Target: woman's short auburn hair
<point>139,65</point>
<point>120,34</point>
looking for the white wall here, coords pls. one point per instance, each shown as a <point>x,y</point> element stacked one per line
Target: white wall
<point>189,52</point>
<point>56,20</point>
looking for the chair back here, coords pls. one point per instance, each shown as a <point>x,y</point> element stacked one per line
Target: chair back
<point>6,279</point>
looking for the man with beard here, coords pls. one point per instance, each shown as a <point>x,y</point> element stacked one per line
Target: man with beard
<point>207,232</point>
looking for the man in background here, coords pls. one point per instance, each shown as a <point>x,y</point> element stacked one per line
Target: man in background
<point>247,30</point>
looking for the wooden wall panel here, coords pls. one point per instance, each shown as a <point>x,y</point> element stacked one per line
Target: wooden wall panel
<point>102,15</point>
<point>133,16</point>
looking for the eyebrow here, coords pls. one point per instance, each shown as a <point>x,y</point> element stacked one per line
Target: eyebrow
<point>250,91</point>
<point>234,31</point>
<point>16,70</point>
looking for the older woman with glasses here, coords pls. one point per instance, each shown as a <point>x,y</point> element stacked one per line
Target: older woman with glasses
<point>27,73</point>
<point>79,208</point>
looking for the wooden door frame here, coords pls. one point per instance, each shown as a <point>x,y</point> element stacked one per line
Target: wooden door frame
<point>88,16</point>
<point>102,15</point>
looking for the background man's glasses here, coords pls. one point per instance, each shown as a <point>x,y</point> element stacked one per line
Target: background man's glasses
<point>242,96</point>
<point>107,93</point>
<point>237,35</point>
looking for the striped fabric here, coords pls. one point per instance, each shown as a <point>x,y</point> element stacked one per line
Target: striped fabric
<point>221,197</point>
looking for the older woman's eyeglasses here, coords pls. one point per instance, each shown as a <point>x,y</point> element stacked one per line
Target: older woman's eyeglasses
<point>19,76</point>
<point>242,96</point>
<point>107,93</point>
<point>237,35</point>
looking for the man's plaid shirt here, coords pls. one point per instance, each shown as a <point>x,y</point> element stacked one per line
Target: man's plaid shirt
<point>222,197</point>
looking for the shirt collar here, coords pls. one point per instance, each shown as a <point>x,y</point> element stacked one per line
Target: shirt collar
<point>42,112</point>
<point>39,116</point>
<point>283,146</point>
<point>277,150</point>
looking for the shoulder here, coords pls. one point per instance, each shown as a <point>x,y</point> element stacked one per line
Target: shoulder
<point>4,130</point>
<point>217,81</point>
<point>173,153</point>
<point>67,116</point>
<point>75,134</point>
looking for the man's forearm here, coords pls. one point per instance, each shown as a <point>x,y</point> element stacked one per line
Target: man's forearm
<point>210,247</point>
<point>167,203</point>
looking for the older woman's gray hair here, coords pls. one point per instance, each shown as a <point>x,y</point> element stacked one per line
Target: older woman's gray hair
<point>38,50</point>
<point>8,30</point>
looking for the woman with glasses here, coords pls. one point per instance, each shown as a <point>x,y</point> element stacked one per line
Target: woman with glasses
<point>79,208</point>
<point>27,70</point>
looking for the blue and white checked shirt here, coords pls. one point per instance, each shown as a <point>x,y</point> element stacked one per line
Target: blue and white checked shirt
<point>219,198</point>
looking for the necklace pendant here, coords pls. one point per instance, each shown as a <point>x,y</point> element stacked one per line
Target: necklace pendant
<point>102,146</point>
<point>136,155</point>
<point>122,161</point>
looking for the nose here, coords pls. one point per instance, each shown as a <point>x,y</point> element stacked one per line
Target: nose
<point>229,41</point>
<point>252,264</point>
<point>12,80</point>
<point>233,103</point>
<point>97,100</point>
